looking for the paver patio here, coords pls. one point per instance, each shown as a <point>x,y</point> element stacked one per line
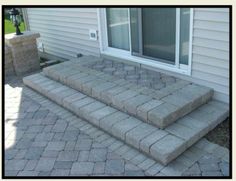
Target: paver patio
<point>168,110</point>
<point>43,139</point>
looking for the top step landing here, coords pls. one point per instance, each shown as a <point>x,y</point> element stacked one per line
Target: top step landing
<point>153,97</point>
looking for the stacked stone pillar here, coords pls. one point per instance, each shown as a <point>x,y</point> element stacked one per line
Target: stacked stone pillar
<point>24,52</point>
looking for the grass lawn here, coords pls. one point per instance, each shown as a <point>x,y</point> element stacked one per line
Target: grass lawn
<point>9,28</point>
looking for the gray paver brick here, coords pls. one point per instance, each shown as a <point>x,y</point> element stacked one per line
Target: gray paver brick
<point>154,169</point>
<point>60,172</point>
<point>82,168</point>
<point>97,155</point>
<point>39,143</point>
<point>50,153</point>
<point>44,173</point>
<point>55,145</point>
<point>70,145</point>
<point>134,173</point>
<point>59,127</point>
<point>99,168</point>
<point>76,105</point>
<point>142,110</point>
<point>28,173</point>
<point>193,170</point>
<point>212,173</point>
<point>68,156</point>
<point>147,163</point>
<point>224,166</point>
<point>135,135</point>
<point>35,129</point>
<point>24,144</point>
<point>63,164</point>
<point>83,155</point>
<point>11,172</point>
<point>107,95</point>
<point>96,116</point>
<point>146,142</point>
<point>31,164</point>
<point>15,165</point>
<point>96,90</point>
<point>167,148</point>
<point>83,144</point>
<point>70,136</point>
<point>34,153</point>
<point>107,122</point>
<point>44,136</point>
<point>90,108</point>
<point>186,133</point>
<point>114,166</point>
<point>10,153</point>
<point>45,164</point>
<point>163,115</point>
<point>118,100</point>
<point>131,104</point>
<point>122,127</point>
<point>209,167</point>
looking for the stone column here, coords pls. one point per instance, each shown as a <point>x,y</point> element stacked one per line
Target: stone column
<point>8,62</point>
<point>24,51</point>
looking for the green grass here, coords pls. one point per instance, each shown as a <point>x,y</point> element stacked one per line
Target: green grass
<point>9,28</point>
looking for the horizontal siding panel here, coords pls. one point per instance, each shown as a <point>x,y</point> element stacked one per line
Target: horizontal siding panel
<point>226,10</point>
<point>65,31</point>
<point>65,19</point>
<point>209,61</point>
<point>210,77</point>
<point>67,14</point>
<point>209,52</point>
<point>210,25</point>
<point>213,35</point>
<point>212,16</point>
<point>221,97</point>
<point>79,31</point>
<point>86,10</point>
<point>224,73</point>
<point>69,45</point>
<point>81,39</point>
<point>214,44</point>
<point>65,25</point>
<point>59,52</point>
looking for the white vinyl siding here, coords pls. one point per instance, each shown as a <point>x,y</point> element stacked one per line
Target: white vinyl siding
<point>65,31</point>
<point>210,56</point>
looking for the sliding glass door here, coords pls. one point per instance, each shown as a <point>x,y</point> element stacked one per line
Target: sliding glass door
<point>157,34</point>
<point>154,33</point>
<point>118,28</point>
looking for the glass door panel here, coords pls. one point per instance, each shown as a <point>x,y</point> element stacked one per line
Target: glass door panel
<point>153,33</point>
<point>118,28</point>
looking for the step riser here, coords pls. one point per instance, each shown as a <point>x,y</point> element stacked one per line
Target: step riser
<point>87,85</point>
<point>162,145</point>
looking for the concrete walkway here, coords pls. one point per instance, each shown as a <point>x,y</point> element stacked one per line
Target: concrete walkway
<point>43,139</point>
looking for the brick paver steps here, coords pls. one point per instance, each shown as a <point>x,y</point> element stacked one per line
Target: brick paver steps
<point>163,145</point>
<point>157,107</point>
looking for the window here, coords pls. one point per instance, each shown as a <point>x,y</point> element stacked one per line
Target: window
<point>160,36</point>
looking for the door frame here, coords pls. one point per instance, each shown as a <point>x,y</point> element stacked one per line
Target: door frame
<point>123,54</point>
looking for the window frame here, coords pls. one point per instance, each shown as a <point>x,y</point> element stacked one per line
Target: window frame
<point>124,54</point>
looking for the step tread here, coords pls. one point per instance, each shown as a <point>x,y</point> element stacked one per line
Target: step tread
<point>177,100</point>
<point>163,145</point>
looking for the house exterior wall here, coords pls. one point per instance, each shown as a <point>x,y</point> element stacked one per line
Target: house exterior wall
<point>65,32</point>
<point>210,55</point>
